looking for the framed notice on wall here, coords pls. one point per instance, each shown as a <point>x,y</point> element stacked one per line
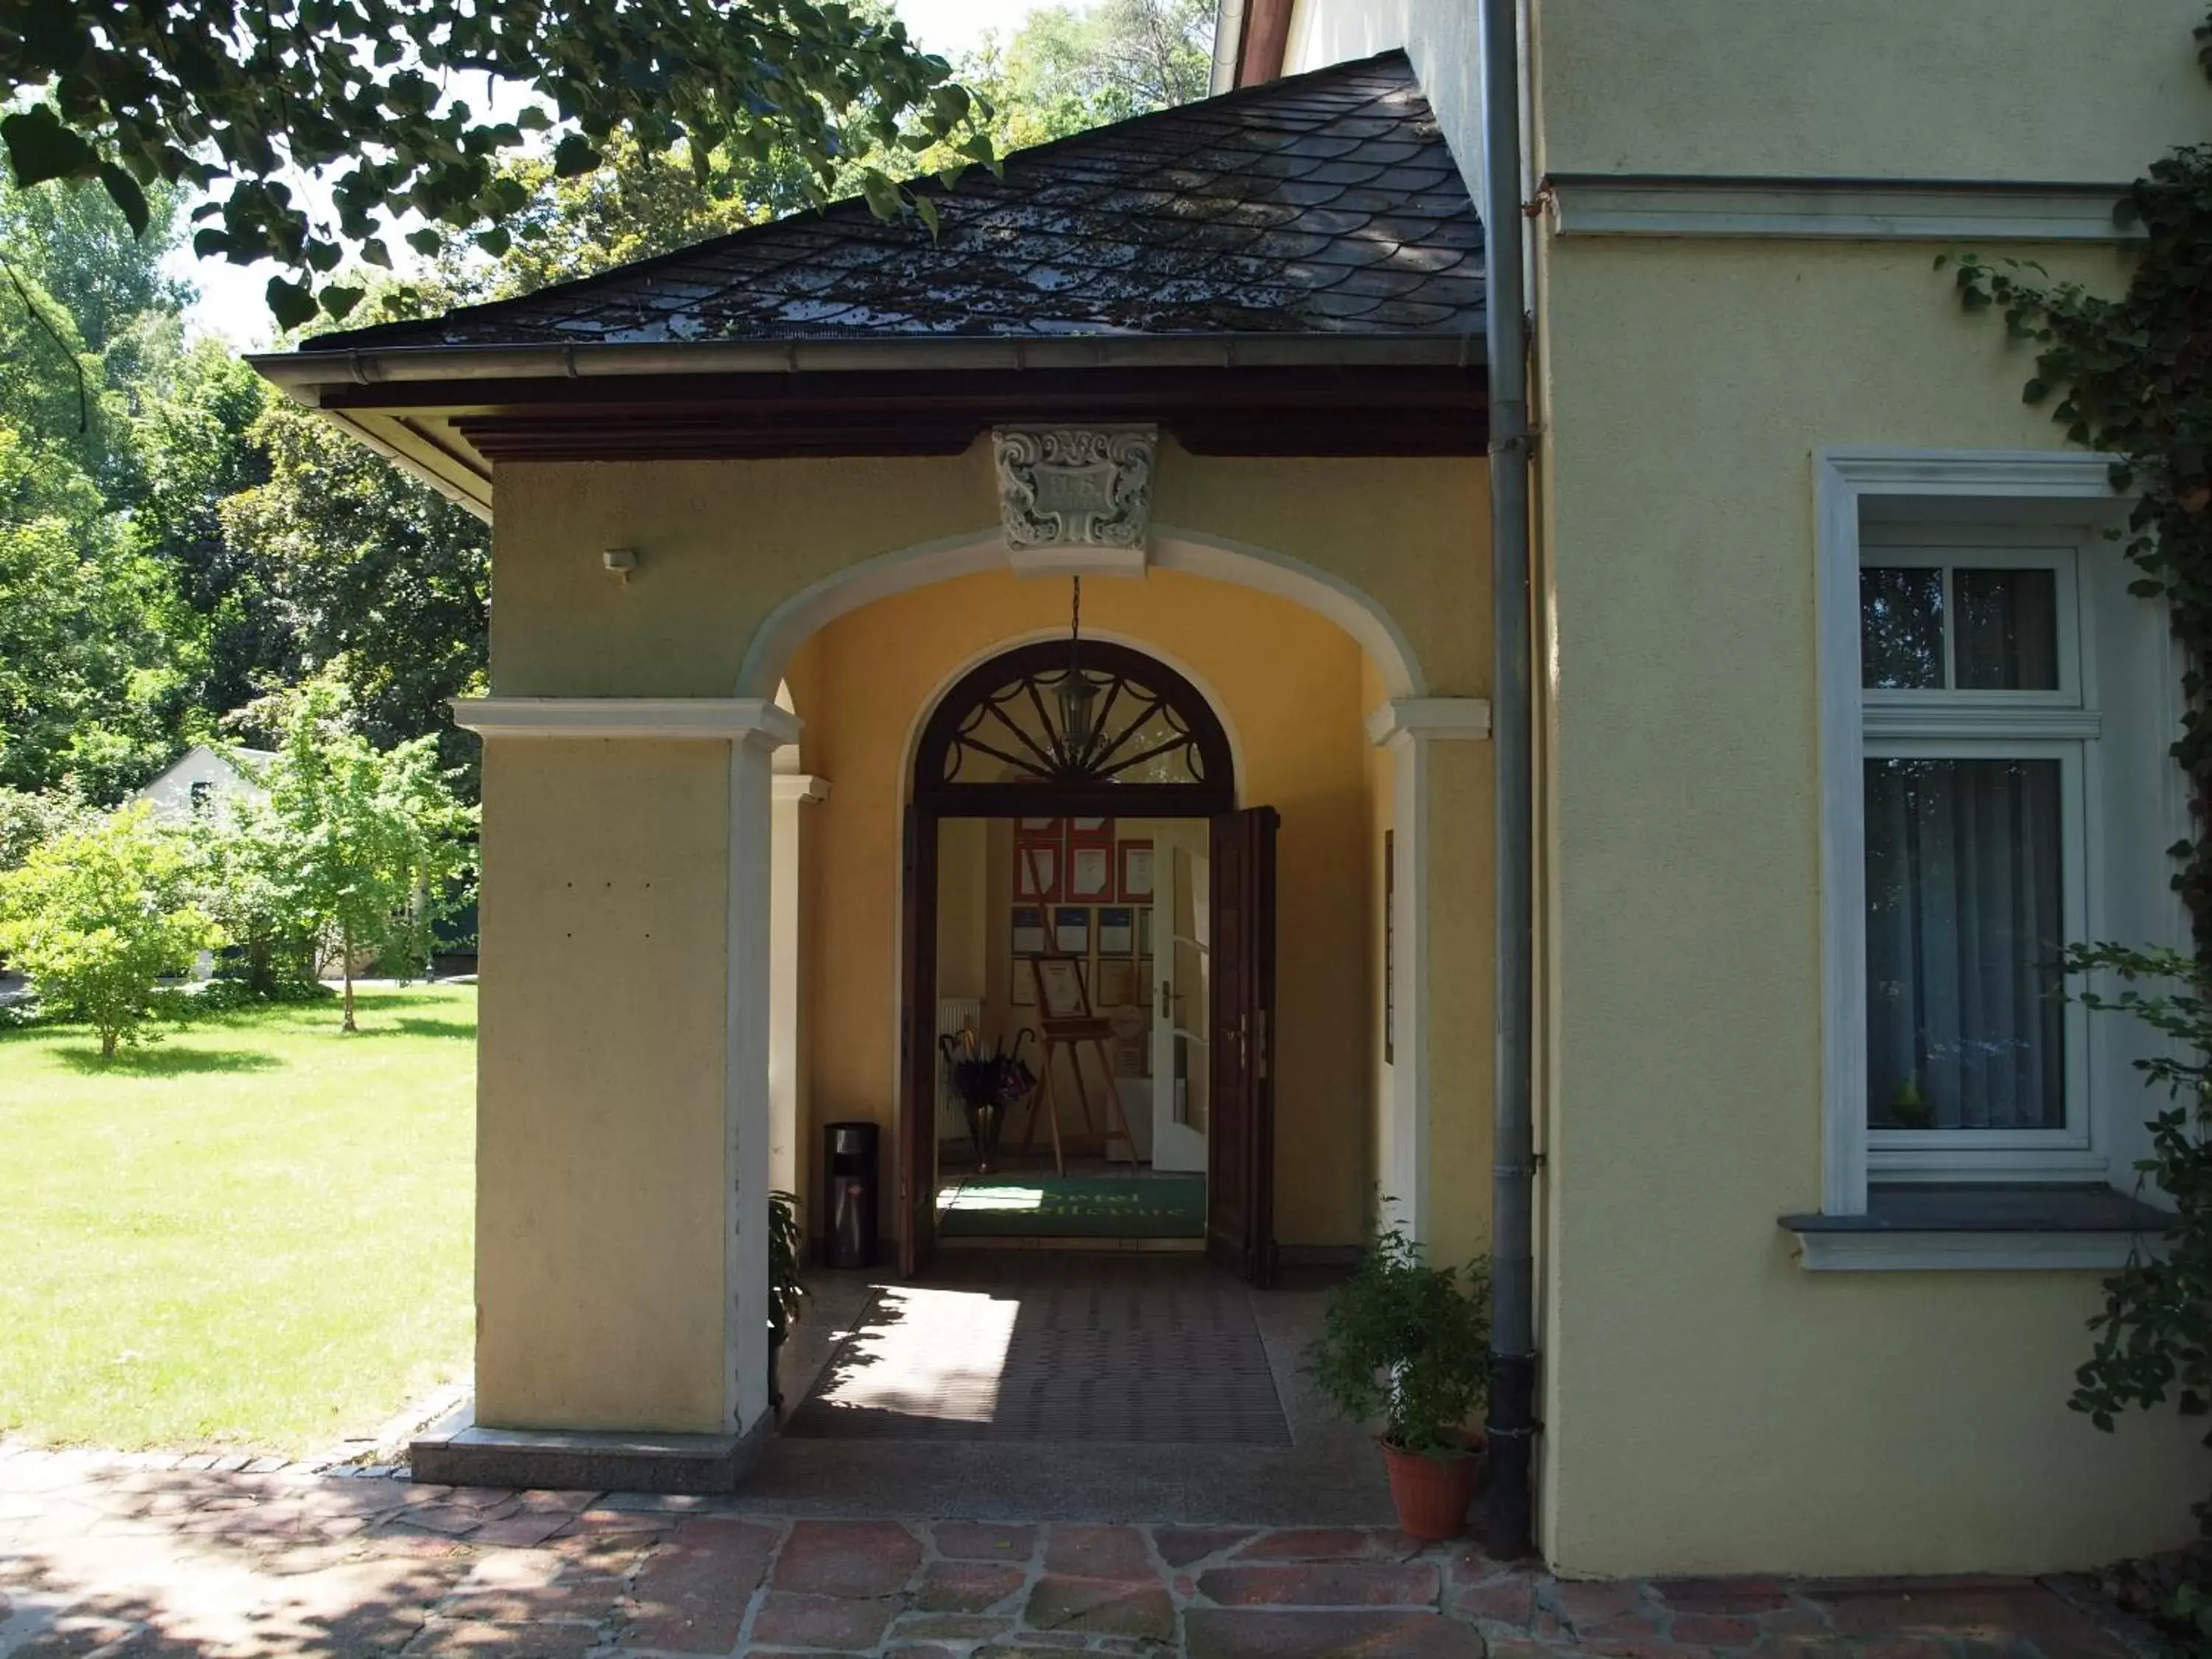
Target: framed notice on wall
<point>1071,930</point>
<point>1036,870</point>
<point>1090,871</point>
<point>1117,931</point>
<point>1136,876</point>
<point>1119,985</point>
<point>1028,940</point>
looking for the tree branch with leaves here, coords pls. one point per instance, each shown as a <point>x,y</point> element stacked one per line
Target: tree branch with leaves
<point>244,101</point>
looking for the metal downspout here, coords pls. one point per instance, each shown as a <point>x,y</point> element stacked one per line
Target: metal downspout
<point>1511,1426</point>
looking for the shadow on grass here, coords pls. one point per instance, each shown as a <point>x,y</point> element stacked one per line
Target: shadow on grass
<point>411,1025</point>
<point>163,1060</point>
<point>375,998</point>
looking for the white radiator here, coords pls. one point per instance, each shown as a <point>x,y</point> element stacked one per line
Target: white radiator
<point>953,1014</point>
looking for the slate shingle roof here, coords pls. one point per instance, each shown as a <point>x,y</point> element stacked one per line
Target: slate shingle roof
<point>1324,203</point>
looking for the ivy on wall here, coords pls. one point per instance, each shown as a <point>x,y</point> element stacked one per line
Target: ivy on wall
<point>2132,377</point>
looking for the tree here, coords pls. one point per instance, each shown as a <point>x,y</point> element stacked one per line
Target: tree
<point>1064,71</point>
<point>361,842</point>
<point>242,101</point>
<point>27,820</point>
<point>78,246</point>
<point>96,916</point>
<point>384,584</point>
<point>97,653</point>
<point>246,878</point>
<point>197,444</point>
<point>638,203</point>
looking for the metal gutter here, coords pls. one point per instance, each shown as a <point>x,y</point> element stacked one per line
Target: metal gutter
<point>1509,1505</point>
<point>1228,45</point>
<point>300,372</point>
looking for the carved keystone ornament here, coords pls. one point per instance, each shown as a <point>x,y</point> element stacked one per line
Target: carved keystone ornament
<point>1071,487</point>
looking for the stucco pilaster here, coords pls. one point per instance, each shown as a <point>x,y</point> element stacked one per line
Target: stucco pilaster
<point>623,1070</point>
<point>1440,759</point>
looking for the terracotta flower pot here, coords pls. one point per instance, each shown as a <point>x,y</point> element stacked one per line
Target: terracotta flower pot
<point>1433,1492</point>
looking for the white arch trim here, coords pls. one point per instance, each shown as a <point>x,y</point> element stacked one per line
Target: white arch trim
<point>1191,552</point>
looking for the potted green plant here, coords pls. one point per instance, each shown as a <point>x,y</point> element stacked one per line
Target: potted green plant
<point>1909,1108</point>
<point>786,1252</point>
<point>1410,1344</point>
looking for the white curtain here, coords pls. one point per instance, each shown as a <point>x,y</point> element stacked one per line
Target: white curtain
<point>1964,927</point>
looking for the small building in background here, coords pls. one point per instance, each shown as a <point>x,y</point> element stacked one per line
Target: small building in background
<point>198,781</point>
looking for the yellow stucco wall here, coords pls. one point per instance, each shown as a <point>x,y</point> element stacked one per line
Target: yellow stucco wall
<point>602,1293</point>
<point>2033,90</point>
<point>1895,1422</point>
<point>1288,686</point>
<point>600,1109</point>
<point>721,544</point>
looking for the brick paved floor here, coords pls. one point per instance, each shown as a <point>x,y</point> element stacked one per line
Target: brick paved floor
<point>136,1558</point>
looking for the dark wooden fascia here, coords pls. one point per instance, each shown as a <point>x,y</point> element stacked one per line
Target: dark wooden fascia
<point>1352,410</point>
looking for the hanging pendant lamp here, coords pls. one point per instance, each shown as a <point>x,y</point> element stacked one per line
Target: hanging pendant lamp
<point>1077,692</point>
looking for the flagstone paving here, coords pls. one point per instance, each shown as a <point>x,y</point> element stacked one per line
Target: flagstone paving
<point>136,1558</point>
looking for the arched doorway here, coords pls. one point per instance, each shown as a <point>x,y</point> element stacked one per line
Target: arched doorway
<point>1070,738</point>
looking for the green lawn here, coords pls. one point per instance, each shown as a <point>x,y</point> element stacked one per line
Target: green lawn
<point>252,1235</point>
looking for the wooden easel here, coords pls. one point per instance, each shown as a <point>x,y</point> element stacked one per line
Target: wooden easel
<point>1073,1031</point>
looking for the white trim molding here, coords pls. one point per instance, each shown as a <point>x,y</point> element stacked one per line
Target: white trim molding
<point>711,720</point>
<point>1906,722</point>
<point>1847,485</point>
<point>1977,1228</point>
<point>1966,1252</point>
<point>1191,552</point>
<point>1429,717</point>
<point>1859,209</point>
<point>789,1167</point>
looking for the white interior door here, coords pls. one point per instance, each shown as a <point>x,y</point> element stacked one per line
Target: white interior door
<point>1180,997</point>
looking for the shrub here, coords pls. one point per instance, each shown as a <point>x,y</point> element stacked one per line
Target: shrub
<point>97,915</point>
<point>1406,1342</point>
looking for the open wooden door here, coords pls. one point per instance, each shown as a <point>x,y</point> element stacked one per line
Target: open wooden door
<point>1240,1206</point>
<point>917,1113</point>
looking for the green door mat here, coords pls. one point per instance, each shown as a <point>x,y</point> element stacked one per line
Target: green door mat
<point>1076,1207</point>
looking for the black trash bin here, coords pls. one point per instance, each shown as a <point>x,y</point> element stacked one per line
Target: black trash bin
<point>848,1196</point>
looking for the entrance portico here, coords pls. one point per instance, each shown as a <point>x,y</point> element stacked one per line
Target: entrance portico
<point>861,687</point>
<point>739,569</point>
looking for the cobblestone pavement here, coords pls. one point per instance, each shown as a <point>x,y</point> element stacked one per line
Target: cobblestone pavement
<point>139,1558</point>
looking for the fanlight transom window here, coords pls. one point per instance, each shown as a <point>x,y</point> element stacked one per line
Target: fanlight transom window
<point>1113,719</point>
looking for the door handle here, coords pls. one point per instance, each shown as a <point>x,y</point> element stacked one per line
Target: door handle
<point>1259,1045</point>
<point>1166,1000</point>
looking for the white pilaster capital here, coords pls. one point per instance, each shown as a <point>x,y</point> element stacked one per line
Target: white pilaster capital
<point>801,787</point>
<point>1406,719</point>
<point>750,721</point>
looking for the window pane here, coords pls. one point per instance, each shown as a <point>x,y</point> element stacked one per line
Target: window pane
<point>1901,627</point>
<point>2007,628</point>
<point>1964,1029</point>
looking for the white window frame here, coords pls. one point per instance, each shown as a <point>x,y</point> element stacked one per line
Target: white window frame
<point>1903,1153</point>
<point>2035,489</point>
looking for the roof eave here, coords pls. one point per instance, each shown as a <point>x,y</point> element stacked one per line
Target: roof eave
<point>300,374</point>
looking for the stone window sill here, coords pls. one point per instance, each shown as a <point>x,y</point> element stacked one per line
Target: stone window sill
<point>1981,1228</point>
